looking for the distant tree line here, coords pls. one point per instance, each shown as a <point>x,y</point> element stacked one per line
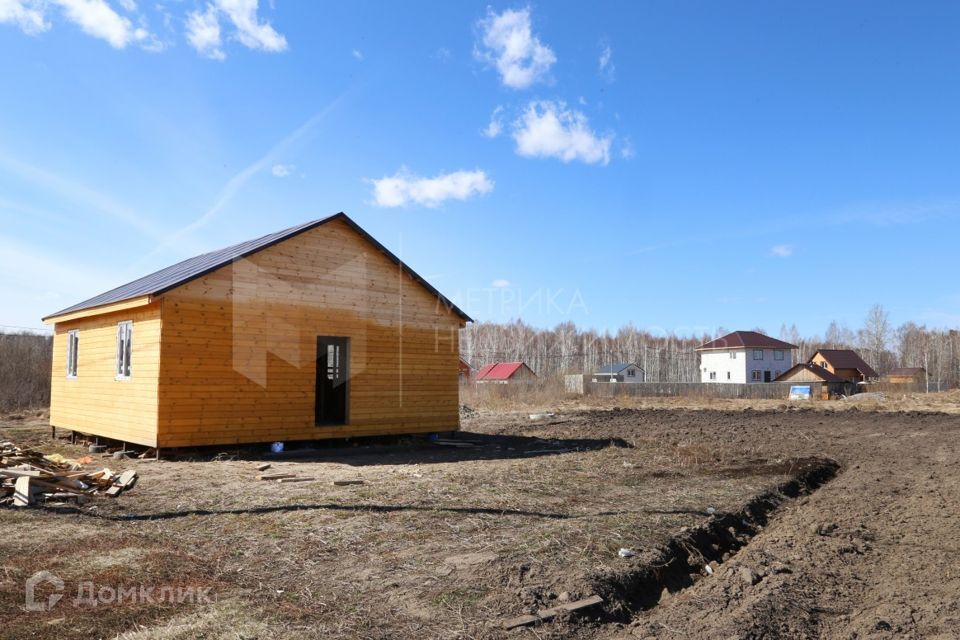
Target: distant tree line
<point>567,349</point>
<point>25,361</point>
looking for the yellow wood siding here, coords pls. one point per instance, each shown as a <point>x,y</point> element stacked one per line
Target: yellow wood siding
<point>239,346</point>
<point>95,401</point>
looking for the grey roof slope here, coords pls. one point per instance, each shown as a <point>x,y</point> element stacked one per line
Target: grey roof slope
<point>199,266</point>
<point>618,367</point>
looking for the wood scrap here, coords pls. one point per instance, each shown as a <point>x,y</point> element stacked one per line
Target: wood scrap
<point>346,483</point>
<point>28,476</point>
<point>276,476</point>
<point>548,614</point>
<point>264,467</point>
<point>286,480</point>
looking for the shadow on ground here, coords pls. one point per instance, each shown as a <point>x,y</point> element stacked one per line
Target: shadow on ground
<point>404,451</point>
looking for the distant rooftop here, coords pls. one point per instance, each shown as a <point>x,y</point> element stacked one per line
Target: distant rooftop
<point>746,340</point>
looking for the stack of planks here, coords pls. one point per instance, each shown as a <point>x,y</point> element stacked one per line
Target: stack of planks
<point>28,476</point>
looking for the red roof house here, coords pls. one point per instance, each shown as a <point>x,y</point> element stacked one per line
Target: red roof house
<point>504,372</point>
<point>745,340</point>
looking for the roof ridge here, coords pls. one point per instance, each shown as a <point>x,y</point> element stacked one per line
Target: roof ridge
<point>180,273</point>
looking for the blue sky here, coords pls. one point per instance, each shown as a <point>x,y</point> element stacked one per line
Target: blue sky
<point>675,165</point>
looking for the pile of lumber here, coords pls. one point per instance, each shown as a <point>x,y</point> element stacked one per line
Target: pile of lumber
<point>28,476</point>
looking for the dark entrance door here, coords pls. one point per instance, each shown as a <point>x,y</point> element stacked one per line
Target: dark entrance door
<point>766,376</point>
<point>332,380</point>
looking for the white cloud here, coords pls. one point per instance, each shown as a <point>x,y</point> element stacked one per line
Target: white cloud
<point>282,170</point>
<point>127,5</point>
<point>551,130</point>
<point>607,68</point>
<point>626,149</point>
<point>358,55</point>
<point>95,17</point>
<point>781,250</point>
<point>495,127</point>
<point>500,283</point>
<point>510,45</point>
<point>98,19</point>
<point>25,14</point>
<point>203,33</point>
<point>404,188</point>
<point>250,31</point>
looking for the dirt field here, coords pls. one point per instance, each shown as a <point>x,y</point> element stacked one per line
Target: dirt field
<point>444,542</point>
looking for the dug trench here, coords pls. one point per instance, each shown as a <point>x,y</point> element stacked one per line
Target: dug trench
<point>697,551</point>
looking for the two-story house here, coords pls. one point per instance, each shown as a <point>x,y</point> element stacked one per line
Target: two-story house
<point>744,357</point>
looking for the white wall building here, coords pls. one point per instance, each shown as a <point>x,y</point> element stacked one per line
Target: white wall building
<point>744,357</point>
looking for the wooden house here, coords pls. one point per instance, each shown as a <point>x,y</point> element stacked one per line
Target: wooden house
<point>907,375</point>
<point>845,363</point>
<point>317,331</point>
<point>505,373</point>
<point>830,384</point>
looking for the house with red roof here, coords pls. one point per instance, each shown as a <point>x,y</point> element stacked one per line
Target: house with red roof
<point>505,373</point>
<point>744,357</point>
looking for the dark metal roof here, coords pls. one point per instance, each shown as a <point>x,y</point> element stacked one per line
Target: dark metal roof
<point>183,272</point>
<point>847,359</point>
<point>820,372</point>
<point>746,340</point>
<point>618,367</point>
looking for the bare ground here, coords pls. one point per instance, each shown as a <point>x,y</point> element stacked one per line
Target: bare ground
<point>443,542</point>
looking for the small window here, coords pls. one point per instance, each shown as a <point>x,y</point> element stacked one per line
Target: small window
<point>124,349</point>
<point>758,354</point>
<point>778,354</point>
<point>713,375</point>
<point>631,373</point>
<point>73,344</point>
<point>776,374</point>
<point>733,355</point>
<point>728,375</point>
<point>756,376</point>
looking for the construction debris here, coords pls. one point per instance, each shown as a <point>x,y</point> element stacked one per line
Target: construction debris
<point>346,483</point>
<point>549,614</point>
<point>28,476</point>
<point>276,476</point>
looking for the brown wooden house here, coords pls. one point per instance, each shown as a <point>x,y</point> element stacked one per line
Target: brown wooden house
<point>845,363</point>
<point>907,375</point>
<point>317,331</point>
<point>830,384</point>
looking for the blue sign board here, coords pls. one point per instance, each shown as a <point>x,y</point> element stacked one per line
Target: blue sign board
<point>800,392</point>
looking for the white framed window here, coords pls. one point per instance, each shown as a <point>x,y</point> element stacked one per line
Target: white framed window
<point>778,354</point>
<point>631,373</point>
<point>757,376</point>
<point>124,349</point>
<point>733,355</point>
<point>73,346</point>
<point>758,354</point>
<point>713,375</point>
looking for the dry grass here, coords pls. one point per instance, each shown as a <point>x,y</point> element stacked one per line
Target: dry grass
<point>549,396</point>
<point>437,543</point>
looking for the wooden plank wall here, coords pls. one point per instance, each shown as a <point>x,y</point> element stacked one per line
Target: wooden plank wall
<point>239,346</point>
<point>95,401</point>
